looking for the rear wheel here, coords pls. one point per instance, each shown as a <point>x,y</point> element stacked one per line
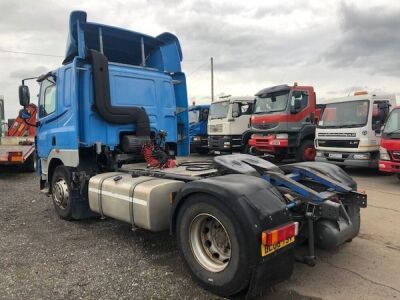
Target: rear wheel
<point>306,151</point>
<point>213,245</point>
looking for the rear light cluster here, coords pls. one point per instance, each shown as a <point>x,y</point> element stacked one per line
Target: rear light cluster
<point>15,156</point>
<point>277,235</point>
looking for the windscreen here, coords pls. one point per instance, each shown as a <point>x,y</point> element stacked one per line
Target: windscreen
<point>219,110</point>
<point>345,114</point>
<point>270,103</point>
<point>194,115</point>
<point>393,122</point>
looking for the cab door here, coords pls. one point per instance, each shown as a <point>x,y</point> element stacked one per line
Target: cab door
<point>47,113</point>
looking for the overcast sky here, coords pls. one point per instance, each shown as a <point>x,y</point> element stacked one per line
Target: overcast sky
<point>336,46</point>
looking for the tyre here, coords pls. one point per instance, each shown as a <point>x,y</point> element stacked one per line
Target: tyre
<point>250,150</point>
<point>306,151</point>
<point>30,164</point>
<point>61,188</point>
<point>213,245</point>
<point>202,151</point>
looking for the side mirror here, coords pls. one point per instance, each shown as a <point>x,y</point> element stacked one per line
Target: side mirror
<point>377,127</point>
<point>235,114</point>
<point>296,106</point>
<point>204,116</point>
<point>24,96</point>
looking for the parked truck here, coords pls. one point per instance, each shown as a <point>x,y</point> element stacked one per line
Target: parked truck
<point>283,122</point>
<point>389,160</point>
<point>228,123</point>
<point>349,131</point>
<point>121,97</point>
<point>17,141</point>
<point>198,117</point>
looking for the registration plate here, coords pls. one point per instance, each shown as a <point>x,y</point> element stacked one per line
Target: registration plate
<point>217,152</point>
<point>335,155</point>
<point>266,250</point>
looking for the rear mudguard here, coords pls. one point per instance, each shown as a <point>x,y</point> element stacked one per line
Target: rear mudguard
<point>257,206</point>
<point>333,171</point>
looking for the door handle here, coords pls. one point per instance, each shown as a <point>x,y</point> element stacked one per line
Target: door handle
<point>53,141</point>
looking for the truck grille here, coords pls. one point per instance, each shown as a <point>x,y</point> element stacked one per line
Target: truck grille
<point>213,141</point>
<point>264,126</point>
<point>339,143</point>
<point>215,128</point>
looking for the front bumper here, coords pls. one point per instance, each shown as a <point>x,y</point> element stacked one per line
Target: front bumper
<point>348,159</point>
<point>225,142</point>
<point>267,143</point>
<point>389,166</point>
<point>198,142</point>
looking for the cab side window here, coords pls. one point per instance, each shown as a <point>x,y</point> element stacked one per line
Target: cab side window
<point>47,99</point>
<point>302,96</point>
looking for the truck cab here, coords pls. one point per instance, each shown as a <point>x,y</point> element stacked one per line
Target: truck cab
<point>349,131</point>
<point>198,117</point>
<point>389,160</point>
<point>116,91</point>
<point>228,123</point>
<point>283,122</point>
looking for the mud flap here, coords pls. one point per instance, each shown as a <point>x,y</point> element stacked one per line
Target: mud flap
<point>272,270</point>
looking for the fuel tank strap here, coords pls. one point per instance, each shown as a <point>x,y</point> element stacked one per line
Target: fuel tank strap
<point>131,193</point>
<point>99,193</point>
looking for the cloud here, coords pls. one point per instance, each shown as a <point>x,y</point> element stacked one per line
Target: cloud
<point>369,40</point>
<point>27,72</point>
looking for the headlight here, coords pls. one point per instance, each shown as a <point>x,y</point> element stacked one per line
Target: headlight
<point>361,156</point>
<point>196,139</point>
<point>383,154</point>
<point>319,154</point>
<point>281,136</point>
<point>253,136</point>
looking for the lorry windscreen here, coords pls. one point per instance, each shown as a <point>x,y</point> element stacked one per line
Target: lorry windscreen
<point>393,123</point>
<point>270,103</point>
<point>345,114</point>
<point>219,110</point>
<point>194,115</point>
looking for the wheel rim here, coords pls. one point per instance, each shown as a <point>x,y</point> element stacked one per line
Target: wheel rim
<point>210,243</point>
<point>309,153</point>
<point>61,193</point>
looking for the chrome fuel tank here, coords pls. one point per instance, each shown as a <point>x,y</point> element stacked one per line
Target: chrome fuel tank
<point>142,201</point>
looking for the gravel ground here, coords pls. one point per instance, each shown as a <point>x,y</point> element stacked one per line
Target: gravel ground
<point>44,257</point>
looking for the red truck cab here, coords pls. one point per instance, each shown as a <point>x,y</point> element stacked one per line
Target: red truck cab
<point>283,122</point>
<point>389,160</point>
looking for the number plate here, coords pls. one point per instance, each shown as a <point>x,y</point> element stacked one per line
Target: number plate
<point>217,152</point>
<point>335,155</point>
<point>266,250</point>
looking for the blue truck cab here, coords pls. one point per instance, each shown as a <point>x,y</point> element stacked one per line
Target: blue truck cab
<point>116,90</point>
<point>198,117</point>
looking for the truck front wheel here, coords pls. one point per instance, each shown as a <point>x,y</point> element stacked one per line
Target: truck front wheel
<point>61,192</point>
<point>213,245</point>
<point>306,151</point>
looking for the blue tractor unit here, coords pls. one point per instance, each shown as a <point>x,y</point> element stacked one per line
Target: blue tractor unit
<point>198,117</point>
<point>120,99</point>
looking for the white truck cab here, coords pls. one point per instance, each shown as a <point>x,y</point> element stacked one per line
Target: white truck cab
<point>228,120</point>
<point>349,129</point>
